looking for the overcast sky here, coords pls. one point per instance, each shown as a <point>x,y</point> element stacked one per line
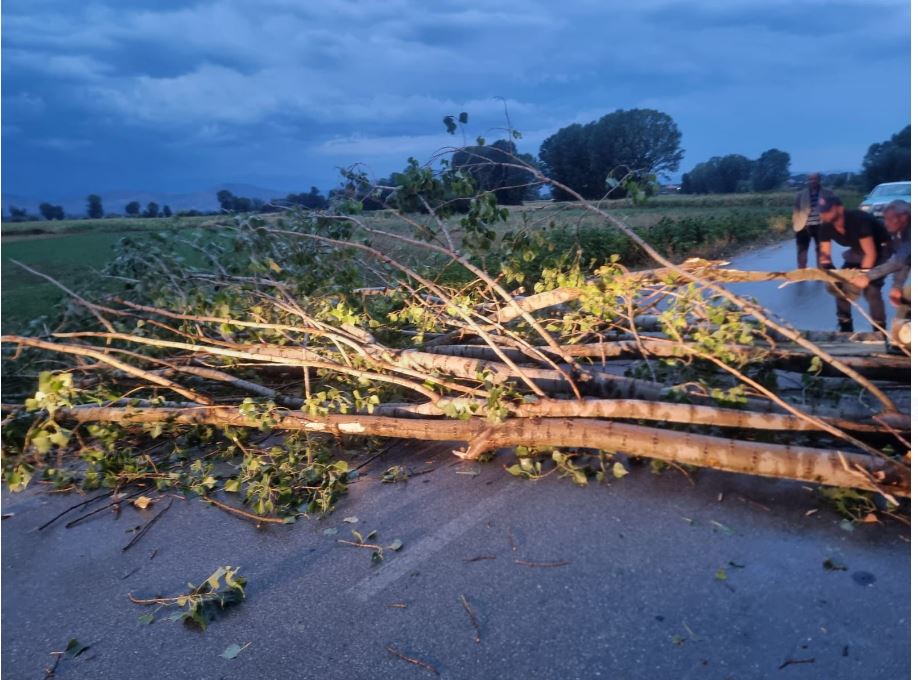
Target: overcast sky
<point>178,96</point>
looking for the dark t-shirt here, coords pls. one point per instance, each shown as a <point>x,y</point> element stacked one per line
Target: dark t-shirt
<point>858,224</point>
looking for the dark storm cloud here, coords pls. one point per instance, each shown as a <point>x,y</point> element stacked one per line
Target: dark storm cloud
<point>798,19</point>
<point>157,95</point>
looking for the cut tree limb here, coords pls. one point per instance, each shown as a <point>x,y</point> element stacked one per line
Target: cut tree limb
<point>820,466</point>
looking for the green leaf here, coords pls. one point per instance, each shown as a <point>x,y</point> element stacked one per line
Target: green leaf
<point>829,565</point>
<point>350,520</point>
<point>515,470</point>
<point>42,442</point>
<point>230,578</point>
<point>619,470</point>
<point>720,575</point>
<point>330,532</point>
<point>214,579</point>
<point>232,651</point>
<point>146,619</point>
<point>196,615</point>
<point>60,438</point>
<point>395,545</point>
<point>231,485</point>
<point>74,648</point>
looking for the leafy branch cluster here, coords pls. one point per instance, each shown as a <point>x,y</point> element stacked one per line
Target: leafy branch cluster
<point>247,357</point>
<point>224,588</point>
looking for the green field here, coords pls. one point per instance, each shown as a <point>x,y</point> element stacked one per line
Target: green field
<point>74,250</point>
<point>114,225</point>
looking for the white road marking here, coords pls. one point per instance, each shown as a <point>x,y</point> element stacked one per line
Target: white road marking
<point>421,551</point>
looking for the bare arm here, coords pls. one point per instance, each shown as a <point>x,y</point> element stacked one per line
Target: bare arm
<point>870,252</point>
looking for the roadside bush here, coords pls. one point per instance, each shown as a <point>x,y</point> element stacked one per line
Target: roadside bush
<point>526,255</point>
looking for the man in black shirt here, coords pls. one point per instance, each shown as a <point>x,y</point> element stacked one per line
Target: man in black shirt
<point>868,244</point>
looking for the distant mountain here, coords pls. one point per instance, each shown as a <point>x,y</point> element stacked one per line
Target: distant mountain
<point>114,201</point>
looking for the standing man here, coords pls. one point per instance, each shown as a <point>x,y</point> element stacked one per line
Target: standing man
<point>806,218</point>
<point>868,245</point>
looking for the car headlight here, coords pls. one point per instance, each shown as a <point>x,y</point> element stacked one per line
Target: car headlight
<point>866,207</point>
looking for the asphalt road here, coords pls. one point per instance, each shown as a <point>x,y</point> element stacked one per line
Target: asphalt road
<point>616,580</point>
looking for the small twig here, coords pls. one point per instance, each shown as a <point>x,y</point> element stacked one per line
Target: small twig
<point>479,558</point>
<point>895,516</point>
<point>756,504</point>
<point>146,527</point>
<point>512,542</point>
<point>399,605</point>
<point>527,563</point>
<point>242,513</point>
<point>790,662</point>
<point>372,546</point>
<point>73,507</point>
<point>472,618</point>
<point>154,600</point>
<point>683,471</point>
<point>422,472</point>
<point>106,507</point>
<point>378,454</point>
<point>130,573</point>
<point>49,672</point>
<point>417,662</point>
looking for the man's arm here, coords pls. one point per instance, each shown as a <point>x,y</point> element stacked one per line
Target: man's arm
<point>869,248</point>
<point>904,255</point>
<point>895,264</point>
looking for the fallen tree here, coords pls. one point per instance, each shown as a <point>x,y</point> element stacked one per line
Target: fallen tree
<point>327,324</point>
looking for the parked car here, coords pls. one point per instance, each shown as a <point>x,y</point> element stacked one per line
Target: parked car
<point>884,194</point>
